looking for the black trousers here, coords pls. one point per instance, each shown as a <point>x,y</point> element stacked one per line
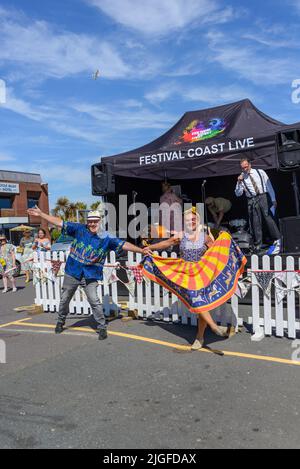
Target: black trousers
<point>258,210</point>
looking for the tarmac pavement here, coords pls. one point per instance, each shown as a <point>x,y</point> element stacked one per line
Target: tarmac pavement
<point>142,387</point>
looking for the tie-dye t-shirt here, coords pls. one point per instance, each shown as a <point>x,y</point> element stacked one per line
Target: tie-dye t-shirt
<point>88,251</point>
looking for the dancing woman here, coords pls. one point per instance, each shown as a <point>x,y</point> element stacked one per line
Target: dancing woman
<point>204,277</point>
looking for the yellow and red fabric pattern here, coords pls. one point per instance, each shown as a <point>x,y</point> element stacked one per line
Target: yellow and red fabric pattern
<point>201,285</point>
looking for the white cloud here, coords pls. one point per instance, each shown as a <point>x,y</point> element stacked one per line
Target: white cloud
<point>274,35</point>
<point>250,63</point>
<point>50,53</point>
<point>6,157</point>
<point>160,17</point>
<point>295,3</point>
<point>118,118</point>
<point>210,95</point>
<point>24,108</point>
<point>87,122</point>
<point>67,174</point>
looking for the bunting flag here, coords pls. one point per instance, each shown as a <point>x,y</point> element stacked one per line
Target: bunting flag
<point>282,277</point>
<point>296,280</point>
<point>201,285</point>
<point>56,265</point>
<point>264,280</point>
<point>110,275</point>
<point>280,294</point>
<point>39,275</point>
<point>130,286</point>
<point>242,288</point>
<point>137,272</point>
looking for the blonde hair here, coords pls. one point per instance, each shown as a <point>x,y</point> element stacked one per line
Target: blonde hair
<point>192,210</point>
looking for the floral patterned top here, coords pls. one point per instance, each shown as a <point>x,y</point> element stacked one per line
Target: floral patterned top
<point>88,251</point>
<point>192,251</point>
<point>26,242</point>
<point>6,253</point>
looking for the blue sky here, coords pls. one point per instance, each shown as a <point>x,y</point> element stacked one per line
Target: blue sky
<point>157,59</point>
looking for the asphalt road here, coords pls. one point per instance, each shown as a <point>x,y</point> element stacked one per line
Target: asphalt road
<point>139,389</point>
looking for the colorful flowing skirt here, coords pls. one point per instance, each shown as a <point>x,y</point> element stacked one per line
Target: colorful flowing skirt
<point>202,285</point>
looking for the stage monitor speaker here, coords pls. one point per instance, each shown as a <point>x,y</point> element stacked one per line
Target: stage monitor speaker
<point>288,149</point>
<point>103,181</point>
<point>290,230</point>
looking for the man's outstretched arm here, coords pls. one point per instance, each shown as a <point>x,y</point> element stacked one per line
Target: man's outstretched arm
<point>37,212</point>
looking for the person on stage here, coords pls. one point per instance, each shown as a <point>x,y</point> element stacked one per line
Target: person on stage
<point>170,211</point>
<point>204,277</point>
<point>255,184</point>
<point>218,206</point>
<point>85,263</point>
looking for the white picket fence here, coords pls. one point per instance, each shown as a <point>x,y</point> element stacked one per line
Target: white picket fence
<point>267,314</point>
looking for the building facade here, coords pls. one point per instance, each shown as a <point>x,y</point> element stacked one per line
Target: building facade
<point>18,192</point>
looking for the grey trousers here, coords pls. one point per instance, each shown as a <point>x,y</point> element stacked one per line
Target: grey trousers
<point>90,287</point>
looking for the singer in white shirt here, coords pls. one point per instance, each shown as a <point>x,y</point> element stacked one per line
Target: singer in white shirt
<point>255,184</point>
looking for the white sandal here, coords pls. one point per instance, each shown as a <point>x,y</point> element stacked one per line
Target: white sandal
<point>222,331</point>
<point>198,344</point>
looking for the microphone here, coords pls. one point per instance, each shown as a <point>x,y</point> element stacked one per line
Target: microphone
<point>203,183</point>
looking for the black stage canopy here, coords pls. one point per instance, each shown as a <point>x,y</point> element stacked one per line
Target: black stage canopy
<point>205,143</point>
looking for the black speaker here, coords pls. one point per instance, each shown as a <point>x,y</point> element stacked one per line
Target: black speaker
<point>288,149</point>
<point>290,230</point>
<point>103,181</point>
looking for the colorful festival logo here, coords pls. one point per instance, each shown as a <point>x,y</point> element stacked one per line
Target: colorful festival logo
<point>199,130</point>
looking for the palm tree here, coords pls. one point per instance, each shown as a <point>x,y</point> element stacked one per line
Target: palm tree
<point>61,208</point>
<point>82,207</point>
<point>95,205</point>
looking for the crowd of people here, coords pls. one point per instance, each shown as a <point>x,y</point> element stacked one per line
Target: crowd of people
<point>27,246</point>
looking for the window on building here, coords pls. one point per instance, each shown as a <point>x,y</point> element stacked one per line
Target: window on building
<point>6,202</point>
<point>32,202</point>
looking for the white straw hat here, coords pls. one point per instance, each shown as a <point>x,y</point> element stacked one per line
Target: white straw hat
<point>94,215</point>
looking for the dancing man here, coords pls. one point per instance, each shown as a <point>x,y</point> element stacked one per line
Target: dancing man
<point>85,263</point>
<point>204,277</point>
<point>255,183</point>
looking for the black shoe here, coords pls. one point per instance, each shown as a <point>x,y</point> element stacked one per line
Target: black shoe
<point>59,328</point>
<point>102,333</point>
